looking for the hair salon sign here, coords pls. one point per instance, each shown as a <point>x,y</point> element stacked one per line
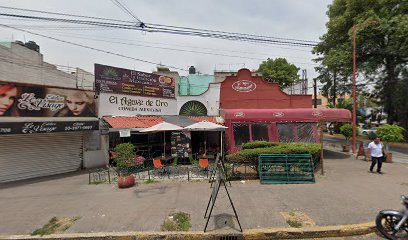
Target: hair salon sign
<point>126,105</point>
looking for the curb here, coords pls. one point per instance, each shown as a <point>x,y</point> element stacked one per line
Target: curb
<point>251,234</point>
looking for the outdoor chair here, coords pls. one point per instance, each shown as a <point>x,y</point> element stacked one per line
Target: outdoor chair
<point>159,166</point>
<point>203,163</point>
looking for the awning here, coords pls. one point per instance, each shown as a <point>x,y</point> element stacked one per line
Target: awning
<point>25,125</point>
<point>138,123</point>
<point>287,115</point>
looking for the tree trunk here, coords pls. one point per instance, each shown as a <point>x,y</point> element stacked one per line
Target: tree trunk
<point>389,90</point>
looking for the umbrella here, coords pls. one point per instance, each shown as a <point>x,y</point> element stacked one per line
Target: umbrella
<point>206,126</point>
<point>163,127</point>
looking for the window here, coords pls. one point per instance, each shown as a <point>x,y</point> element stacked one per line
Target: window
<point>286,132</point>
<point>305,132</point>
<point>241,133</point>
<point>259,132</point>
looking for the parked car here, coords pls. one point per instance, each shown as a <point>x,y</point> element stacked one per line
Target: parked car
<point>367,131</point>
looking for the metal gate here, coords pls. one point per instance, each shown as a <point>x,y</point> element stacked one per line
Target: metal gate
<point>24,156</point>
<point>286,168</point>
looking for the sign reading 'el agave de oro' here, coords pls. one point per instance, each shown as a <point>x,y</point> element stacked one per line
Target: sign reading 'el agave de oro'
<point>110,79</point>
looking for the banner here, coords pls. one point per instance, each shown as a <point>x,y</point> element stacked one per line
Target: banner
<point>125,105</point>
<point>46,127</point>
<point>20,100</point>
<point>125,81</point>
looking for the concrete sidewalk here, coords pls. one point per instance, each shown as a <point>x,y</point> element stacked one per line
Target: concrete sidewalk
<point>346,194</point>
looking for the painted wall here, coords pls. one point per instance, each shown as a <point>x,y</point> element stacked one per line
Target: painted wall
<point>210,99</point>
<point>245,91</point>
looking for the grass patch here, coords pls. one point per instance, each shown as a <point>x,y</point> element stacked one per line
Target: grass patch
<point>150,181</point>
<point>294,223</point>
<point>56,225</point>
<point>179,221</point>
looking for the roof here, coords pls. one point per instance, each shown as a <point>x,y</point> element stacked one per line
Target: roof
<point>287,115</point>
<point>133,122</point>
<point>149,121</point>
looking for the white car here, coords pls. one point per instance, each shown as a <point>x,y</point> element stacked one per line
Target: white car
<point>367,131</point>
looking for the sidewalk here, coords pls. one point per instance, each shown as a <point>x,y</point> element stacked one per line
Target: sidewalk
<point>346,194</point>
<point>363,139</point>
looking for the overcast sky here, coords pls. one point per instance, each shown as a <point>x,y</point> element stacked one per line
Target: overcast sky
<point>278,18</point>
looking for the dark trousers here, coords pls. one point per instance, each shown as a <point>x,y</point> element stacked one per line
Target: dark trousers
<point>375,160</point>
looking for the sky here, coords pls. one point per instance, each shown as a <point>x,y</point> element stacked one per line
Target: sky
<point>295,19</point>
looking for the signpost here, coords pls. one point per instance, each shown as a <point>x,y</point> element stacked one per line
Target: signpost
<point>219,180</point>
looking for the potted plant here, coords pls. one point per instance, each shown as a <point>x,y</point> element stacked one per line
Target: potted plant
<point>390,133</point>
<point>347,131</point>
<point>124,160</point>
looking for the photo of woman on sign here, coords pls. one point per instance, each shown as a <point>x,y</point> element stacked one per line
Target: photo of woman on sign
<point>78,104</point>
<point>8,95</point>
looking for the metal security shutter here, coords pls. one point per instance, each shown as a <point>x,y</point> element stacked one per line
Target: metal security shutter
<point>41,154</point>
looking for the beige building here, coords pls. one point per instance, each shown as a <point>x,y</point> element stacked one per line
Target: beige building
<point>20,64</point>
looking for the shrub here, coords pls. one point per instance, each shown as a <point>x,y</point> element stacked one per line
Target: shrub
<point>390,133</point>
<point>259,144</point>
<point>250,156</point>
<point>347,131</point>
<point>124,157</point>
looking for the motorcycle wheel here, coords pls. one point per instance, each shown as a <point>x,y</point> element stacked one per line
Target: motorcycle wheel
<point>385,224</point>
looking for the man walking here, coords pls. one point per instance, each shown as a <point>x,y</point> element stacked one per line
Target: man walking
<point>375,150</point>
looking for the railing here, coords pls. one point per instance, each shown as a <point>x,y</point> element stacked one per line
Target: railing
<point>146,171</point>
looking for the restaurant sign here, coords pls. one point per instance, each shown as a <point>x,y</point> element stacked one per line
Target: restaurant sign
<point>125,81</point>
<point>125,105</point>
<point>47,126</point>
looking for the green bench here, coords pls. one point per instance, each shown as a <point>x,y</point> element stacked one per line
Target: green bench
<point>286,168</point>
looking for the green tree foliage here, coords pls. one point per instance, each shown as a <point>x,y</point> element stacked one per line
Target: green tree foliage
<point>390,133</point>
<point>280,71</point>
<point>382,50</point>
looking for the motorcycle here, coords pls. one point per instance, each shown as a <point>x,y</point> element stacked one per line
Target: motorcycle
<point>393,224</point>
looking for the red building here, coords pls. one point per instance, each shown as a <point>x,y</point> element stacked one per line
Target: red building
<point>257,110</point>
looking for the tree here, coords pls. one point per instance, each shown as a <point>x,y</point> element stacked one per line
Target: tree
<point>382,48</point>
<point>280,71</point>
<point>390,133</point>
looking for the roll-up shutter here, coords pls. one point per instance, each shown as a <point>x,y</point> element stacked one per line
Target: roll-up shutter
<point>41,154</point>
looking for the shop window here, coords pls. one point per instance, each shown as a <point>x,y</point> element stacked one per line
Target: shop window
<point>286,132</point>
<point>241,133</point>
<point>305,132</point>
<point>259,132</point>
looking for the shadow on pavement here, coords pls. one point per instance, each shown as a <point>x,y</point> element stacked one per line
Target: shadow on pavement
<point>140,193</point>
<point>58,176</point>
<point>333,155</point>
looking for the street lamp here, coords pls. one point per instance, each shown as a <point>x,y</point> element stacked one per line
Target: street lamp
<point>354,147</point>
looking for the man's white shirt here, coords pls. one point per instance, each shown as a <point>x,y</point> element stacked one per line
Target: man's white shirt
<point>376,149</point>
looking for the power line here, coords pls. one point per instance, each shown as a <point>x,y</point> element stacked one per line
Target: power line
<point>180,50</point>
<point>168,29</point>
<point>92,48</point>
<point>126,9</point>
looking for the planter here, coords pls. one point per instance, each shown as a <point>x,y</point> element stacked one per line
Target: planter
<point>126,181</point>
<point>388,158</point>
<point>346,148</point>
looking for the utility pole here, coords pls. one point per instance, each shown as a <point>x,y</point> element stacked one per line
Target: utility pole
<point>315,93</point>
<point>334,88</point>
